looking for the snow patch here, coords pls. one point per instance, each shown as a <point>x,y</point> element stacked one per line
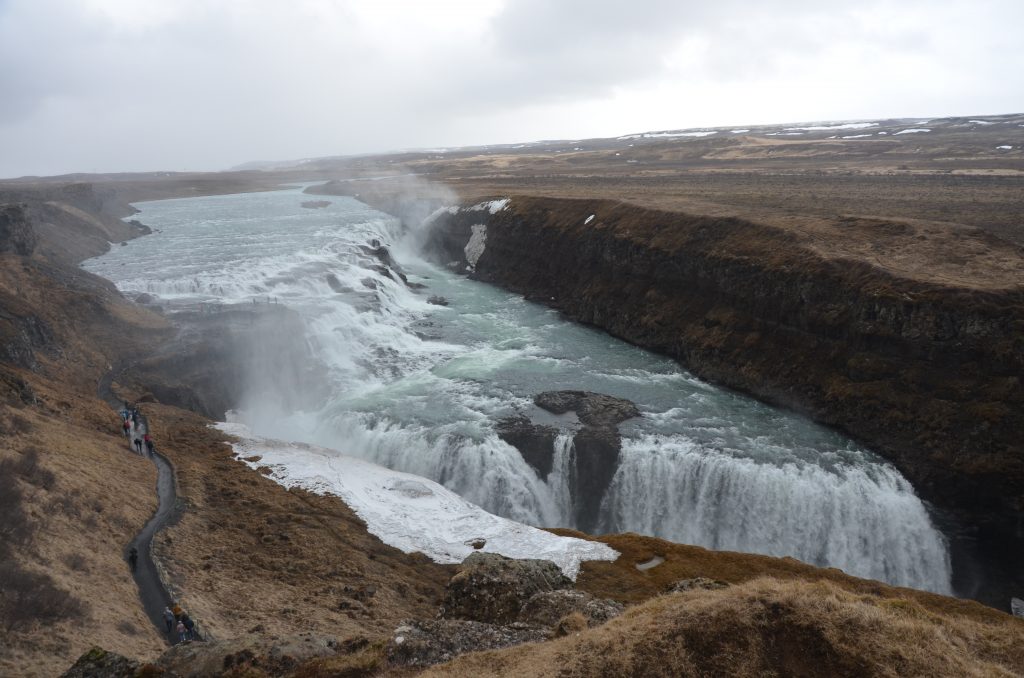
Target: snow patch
<point>739,131</point>
<point>475,247</point>
<point>1004,148</point>
<point>409,512</point>
<point>492,206</point>
<point>783,134</point>
<point>846,125</point>
<point>913,130</point>
<point>591,217</point>
<point>981,122</point>
<point>652,135</point>
<point>857,136</point>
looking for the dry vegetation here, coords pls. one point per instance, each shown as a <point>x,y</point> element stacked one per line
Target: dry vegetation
<point>769,627</point>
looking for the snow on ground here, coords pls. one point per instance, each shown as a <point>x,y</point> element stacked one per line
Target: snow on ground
<point>856,136</point>
<point>913,130</point>
<point>783,134</point>
<point>739,131</point>
<point>409,512</point>
<point>847,125</point>
<point>653,135</point>
<point>492,206</point>
<point>981,122</point>
<point>591,217</point>
<point>1004,148</point>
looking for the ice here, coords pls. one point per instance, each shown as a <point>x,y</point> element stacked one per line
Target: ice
<point>913,130</point>
<point>820,128</point>
<point>406,511</point>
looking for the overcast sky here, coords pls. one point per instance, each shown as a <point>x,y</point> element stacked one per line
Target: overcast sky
<point>124,85</point>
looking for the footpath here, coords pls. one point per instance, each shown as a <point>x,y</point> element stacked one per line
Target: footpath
<point>156,599</point>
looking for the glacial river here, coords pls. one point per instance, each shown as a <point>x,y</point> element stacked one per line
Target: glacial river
<point>418,387</point>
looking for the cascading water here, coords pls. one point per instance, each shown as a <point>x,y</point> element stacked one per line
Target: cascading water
<point>418,387</point>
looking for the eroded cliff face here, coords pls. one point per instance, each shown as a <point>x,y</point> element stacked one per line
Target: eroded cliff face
<point>927,374</point>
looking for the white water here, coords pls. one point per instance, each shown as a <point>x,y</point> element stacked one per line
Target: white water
<point>417,388</point>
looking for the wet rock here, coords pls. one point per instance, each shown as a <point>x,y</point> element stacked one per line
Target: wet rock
<point>695,583</point>
<point>437,300</point>
<point>335,284</point>
<point>99,663</point>
<point>144,299</point>
<point>491,588</point>
<point>369,283</point>
<point>593,409</point>
<point>428,642</point>
<point>1017,607</point>
<point>534,441</point>
<point>548,608</point>
<point>383,255</point>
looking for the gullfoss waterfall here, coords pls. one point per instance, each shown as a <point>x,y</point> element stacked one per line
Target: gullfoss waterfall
<point>418,387</point>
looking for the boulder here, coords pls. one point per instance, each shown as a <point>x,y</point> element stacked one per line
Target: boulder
<point>491,588</point>
<point>247,655</point>
<point>437,300</point>
<point>695,583</point>
<point>428,642</point>
<point>1017,607</point>
<point>593,409</point>
<point>99,663</point>
<point>548,608</point>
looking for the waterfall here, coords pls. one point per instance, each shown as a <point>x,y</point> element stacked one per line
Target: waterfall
<point>865,520</point>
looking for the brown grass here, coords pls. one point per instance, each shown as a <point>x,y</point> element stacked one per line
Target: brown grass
<point>621,581</point>
<point>251,557</point>
<point>768,627</point>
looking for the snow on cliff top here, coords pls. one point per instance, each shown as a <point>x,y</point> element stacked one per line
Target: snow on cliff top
<point>409,512</point>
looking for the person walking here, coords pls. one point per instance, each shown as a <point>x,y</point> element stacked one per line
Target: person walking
<point>127,428</point>
<point>133,557</point>
<point>138,444</point>
<point>181,632</point>
<point>189,626</point>
<point>148,439</point>
<point>169,619</point>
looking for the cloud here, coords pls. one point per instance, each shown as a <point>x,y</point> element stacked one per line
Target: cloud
<point>120,85</point>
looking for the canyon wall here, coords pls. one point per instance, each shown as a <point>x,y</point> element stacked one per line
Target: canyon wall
<point>926,374</point>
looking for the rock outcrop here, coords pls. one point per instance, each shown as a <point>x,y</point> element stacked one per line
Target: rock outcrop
<point>428,642</point>
<point>491,588</point>
<point>595,447</point>
<point>99,663</point>
<point>548,608</point>
<point>16,233</point>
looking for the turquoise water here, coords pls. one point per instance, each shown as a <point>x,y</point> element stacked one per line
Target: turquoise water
<point>417,387</point>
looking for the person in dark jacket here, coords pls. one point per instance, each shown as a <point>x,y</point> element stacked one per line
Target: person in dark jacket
<point>169,619</point>
<point>138,444</point>
<point>133,557</point>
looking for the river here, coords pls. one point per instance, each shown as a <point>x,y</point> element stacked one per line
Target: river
<point>418,387</point>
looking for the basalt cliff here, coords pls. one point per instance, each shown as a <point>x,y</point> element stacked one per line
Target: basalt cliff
<point>818,318</point>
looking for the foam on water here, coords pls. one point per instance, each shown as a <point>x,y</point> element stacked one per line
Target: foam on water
<point>418,388</point>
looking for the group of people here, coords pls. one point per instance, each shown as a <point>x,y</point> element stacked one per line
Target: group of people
<point>130,424</point>
<point>179,622</point>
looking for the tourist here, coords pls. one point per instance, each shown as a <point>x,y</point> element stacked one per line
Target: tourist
<point>181,632</point>
<point>133,557</point>
<point>169,619</point>
<point>148,439</point>
<point>127,428</point>
<point>138,444</point>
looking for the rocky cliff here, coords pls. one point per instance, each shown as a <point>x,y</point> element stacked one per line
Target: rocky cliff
<point>926,373</point>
